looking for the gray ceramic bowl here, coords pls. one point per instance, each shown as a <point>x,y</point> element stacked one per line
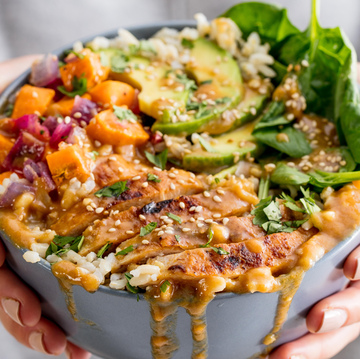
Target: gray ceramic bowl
<point>236,324</point>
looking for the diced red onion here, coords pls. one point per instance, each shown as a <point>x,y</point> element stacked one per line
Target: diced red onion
<point>51,123</point>
<point>13,191</point>
<point>60,134</point>
<point>33,171</point>
<point>26,146</point>
<point>54,86</point>
<point>135,105</point>
<point>85,108</point>
<point>44,71</point>
<point>46,176</point>
<point>31,124</point>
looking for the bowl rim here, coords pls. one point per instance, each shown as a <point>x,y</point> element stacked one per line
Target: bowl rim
<point>14,85</point>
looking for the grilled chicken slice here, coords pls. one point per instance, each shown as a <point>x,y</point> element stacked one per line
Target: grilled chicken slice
<point>74,221</point>
<point>164,242</point>
<point>274,251</point>
<point>233,198</point>
<point>113,168</point>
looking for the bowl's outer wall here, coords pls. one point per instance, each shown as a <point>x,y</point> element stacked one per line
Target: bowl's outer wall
<point>237,324</point>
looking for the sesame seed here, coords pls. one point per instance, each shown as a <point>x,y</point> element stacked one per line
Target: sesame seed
<point>217,199</point>
<point>169,231</point>
<point>77,114</point>
<point>225,221</point>
<point>172,175</point>
<point>93,205</point>
<point>217,215</point>
<point>67,120</point>
<point>200,219</point>
<point>181,181</point>
<point>342,163</point>
<point>129,232</point>
<point>168,220</point>
<point>220,191</point>
<point>141,216</point>
<point>99,210</point>
<point>208,220</point>
<point>321,164</point>
<point>200,225</point>
<point>145,184</point>
<point>120,169</point>
<point>117,223</point>
<point>186,229</point>
<point>136,162</point>
<point>182,205</point>
<point>157,168</point>
<point>172,186</point>
<point>192,219</point>
<point>111,230</point>
<point>90,209</point>
<point>136,178</point>
<point>290,116</point>
<point>145,241</point>
<point>86,201</point>
<point>253,111</point>
<point>198,209</point>
<point>206,194</point>
<point>192,209</point>
<point>59,120</point>
<point>112,158</point>
<point>160,233</point>
<point>305,63</point>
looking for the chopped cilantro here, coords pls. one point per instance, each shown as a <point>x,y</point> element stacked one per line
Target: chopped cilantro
<point>203,111</point>
<point>80,56</point>
<point>174,217</point>
<point>42,132</point>
<point>307,201</point>
<point>123,113</point>
<point>188,83</point>
<point>217,250</point>
<point>165,286</point>
<point>59,242</point>
<point>222,100</point>
<point>130,288</point>
<point>114,190</point>
<point>61,64</point>
<point>158,160</point>
<point>119,63</point>
<point>217,181</point>
<point>93,155</point>
<point>125,251</point>
<point>104,59</point>
<point>206,82</point>
<point>153,178</point>
<point>9,110</point>
<point>103,249</point>
<point>147,229</point>
<point>79,87</point>
<point>177,237</point>
<point>187,43</point>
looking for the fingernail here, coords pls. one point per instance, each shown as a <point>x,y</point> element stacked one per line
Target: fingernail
<point>68,353</point>
<point>333,319</point>
<point>36,342</point>
<point>298,356</point>
<point>11,308</point>
<point>357,270</point>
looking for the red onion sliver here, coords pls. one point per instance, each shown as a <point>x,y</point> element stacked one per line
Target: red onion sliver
<point>44,71</point>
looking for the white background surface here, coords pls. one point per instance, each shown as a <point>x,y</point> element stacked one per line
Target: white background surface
<point>39,26</point>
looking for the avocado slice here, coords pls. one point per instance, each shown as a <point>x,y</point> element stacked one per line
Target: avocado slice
<point>218,77</point>
<point>155,93</point>
<point>235,144</point>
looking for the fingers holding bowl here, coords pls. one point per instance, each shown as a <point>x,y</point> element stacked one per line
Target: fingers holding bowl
<point>318,346</point>
<point>352,265</point>
<point>74,352</point>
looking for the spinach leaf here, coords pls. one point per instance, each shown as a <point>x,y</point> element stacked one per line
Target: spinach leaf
<point>285,175</point>
<point>295,146</point>
<point>324,179</point>
<point>270,21</point>
<point>158,160</point>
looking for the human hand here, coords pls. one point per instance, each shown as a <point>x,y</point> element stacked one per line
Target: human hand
<point>20,310</point>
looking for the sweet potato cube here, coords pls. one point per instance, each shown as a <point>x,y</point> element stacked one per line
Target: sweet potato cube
<point>5,147</point>
<point>68,163</point>
<point>113,93</point>
<point>88,67</point>
<point>31,99</point>
<point>107,128</point>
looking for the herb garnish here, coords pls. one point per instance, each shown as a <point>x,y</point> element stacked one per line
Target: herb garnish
<point>165,286</point>
<point>174,217</point>
<point>103,249</point>
<point>93,155</point>
<point>222,100</point>
<point>119,63</point>
<point>177,237</point>
<point>206,82</point>
<point>130,288</point>
<point>206,145</point>
<point>147,229</point>
<point>217,250</point>
<point>9,110</point>
<point>188,44</point>
<point>188,83</point>
<point>153,178</point>
<point>59,242</point>
<point>123,113</point>
<point>217,180</point>
<point>158,160</point>
<point>79,87</point>
<point>114,190</point>
<point>125,251</point>
<point>80,56</point>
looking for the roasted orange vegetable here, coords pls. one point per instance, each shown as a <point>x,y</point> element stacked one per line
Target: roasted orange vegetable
<point>107,128</point>
<point>68,163</point>
<point>5,175</point>
<point>31,99</point>
<point>113,93</point>
<point>88,67</point>
<point>5,147</point>
<point>7,125</point>
<point>63,107</point>
<point>356,184</point>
